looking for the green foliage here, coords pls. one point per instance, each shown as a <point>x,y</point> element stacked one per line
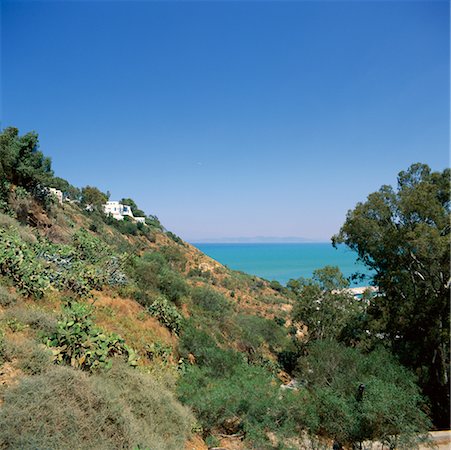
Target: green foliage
<point>66,408</point>
<point>66,188</point>
<point>403,234</point>
<point>153,273</point>
<point>256,331</point>
<point>172,285</point>
<point>211,302</point>
<point>133,206</point>
<point>361,397</point>
<point>323,305</point>
<point>175,238</point>
<point>245,401</point>
<point>81,344</point>
<point>91,195</point>
<point>166,313</point>
<point>276,286</point>
<point>21,163</point>
<point>174,256</point>
<point>18,261</point>
<point>85,265</point>
<point>159,350</point>
<point>153,221</point>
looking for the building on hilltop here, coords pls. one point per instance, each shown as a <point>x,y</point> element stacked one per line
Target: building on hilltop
<point>118,211</point>
<point>57,193</point>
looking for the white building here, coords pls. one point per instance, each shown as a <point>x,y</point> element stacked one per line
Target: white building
<point>58,194</point>
<point>118,211</point>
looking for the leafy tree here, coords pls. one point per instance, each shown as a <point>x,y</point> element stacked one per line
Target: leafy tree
<point>21,163</point>
<point>134,207</point>
<point>90,195</point>
<point>323,304</point>
<point>360,397</point>
<point>66,188</point>
<point>403,234</point>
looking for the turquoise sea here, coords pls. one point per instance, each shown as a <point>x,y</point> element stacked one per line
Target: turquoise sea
<point>284,261</point>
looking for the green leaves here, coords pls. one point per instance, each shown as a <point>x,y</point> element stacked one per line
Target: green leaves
<point>18,261</point>
<point>79,343</point>
<point>404,235</point>
<point>388,409</point>
<point>166,313</point>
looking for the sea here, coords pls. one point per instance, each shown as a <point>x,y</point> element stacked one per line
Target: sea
<point>281,262</point>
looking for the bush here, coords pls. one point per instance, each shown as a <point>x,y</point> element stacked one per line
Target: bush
<point>19,262</point>
<point>174,256</point>
<point>166,313</point>
<point>245,402</point>
<point>206,351</point>
<point>81,344</point>
<point>175,238</point>
<point>360,397</point>
<point>120,409</point>
<point>172,285</point>
<point>212,302</point>
<point>257,330</point>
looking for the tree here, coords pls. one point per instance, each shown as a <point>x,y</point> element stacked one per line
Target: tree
<point>90,195</point>
<point>133,206</point>
<point>323,304</point>
<point>21,163</point>
<point>404,236</point>
<point>66,188</point>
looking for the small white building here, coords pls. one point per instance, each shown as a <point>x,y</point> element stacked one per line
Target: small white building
<point>117,210</point>
<point>58,194</point>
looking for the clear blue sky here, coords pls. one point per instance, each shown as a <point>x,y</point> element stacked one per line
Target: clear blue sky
<point>231,118</point>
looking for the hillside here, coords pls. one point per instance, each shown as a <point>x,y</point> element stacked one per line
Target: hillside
<point>118,334</point>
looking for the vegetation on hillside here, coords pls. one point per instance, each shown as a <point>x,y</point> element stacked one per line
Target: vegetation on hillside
<point>120,335</point>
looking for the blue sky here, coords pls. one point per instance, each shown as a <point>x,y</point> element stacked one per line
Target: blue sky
<point>231,119</point>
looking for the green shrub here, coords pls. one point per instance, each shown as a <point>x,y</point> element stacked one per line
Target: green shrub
<point>258,330</point>
<point>276,286</point>
<point>166,313</point>
<point>247,401</point>
<point>174,256</point>
<point>206,351</point>
<point>362,397</point>
<point>19,262</point>
<point>172,285</point>
<point>81,344</point>
<point>175,238</point>
<point>212,302</point>
<point>118,409</point>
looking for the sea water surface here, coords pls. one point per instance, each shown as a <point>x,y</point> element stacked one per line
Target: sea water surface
<point>282,262</point>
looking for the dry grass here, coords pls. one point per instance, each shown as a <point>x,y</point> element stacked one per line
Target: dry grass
<point>130,320</point>
<point>66,409</point>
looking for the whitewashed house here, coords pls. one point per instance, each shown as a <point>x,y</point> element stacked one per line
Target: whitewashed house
<point>58,194</point>
<point>118,211</point>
